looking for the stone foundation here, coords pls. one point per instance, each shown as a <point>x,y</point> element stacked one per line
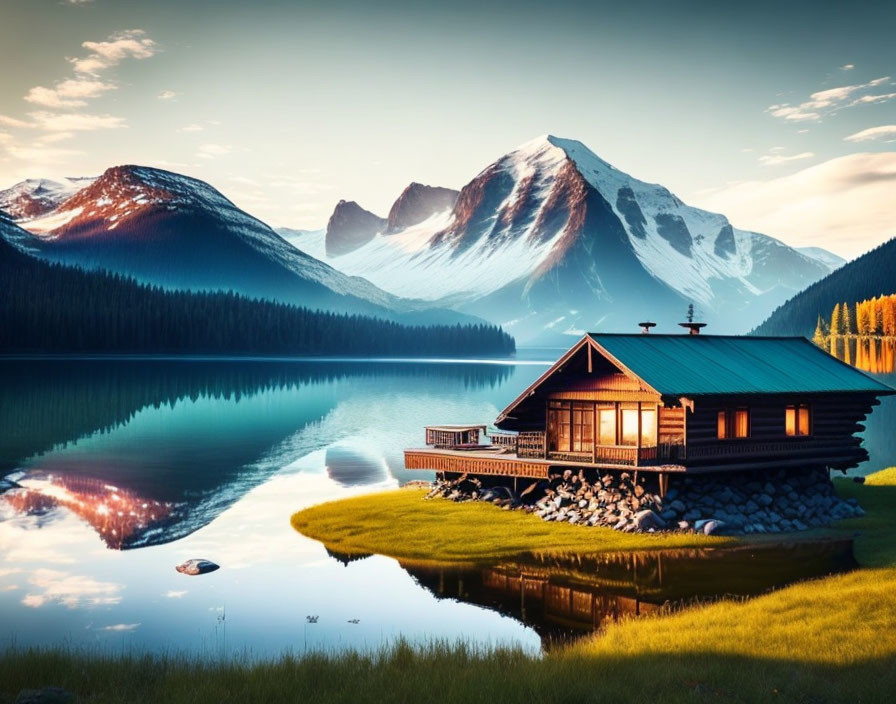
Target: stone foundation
<point>732,503</point>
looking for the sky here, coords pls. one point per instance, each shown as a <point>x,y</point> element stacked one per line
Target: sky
<point>782,116</point>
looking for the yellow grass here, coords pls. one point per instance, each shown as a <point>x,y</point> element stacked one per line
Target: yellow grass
<point>401,524</point>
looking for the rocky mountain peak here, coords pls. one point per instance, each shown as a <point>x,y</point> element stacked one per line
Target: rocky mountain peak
<point>417,203</point>
<point>350,227</point>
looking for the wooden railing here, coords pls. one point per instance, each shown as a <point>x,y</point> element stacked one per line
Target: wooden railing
<point>508,440</point>
<point>531,443</point>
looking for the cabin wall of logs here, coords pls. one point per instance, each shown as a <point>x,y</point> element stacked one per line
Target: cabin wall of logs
<point>828,440</point>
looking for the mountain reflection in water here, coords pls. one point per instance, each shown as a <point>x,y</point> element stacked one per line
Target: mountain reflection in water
<point>148,451</point>
<point>564,598</point>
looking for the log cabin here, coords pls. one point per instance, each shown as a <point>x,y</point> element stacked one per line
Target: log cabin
<point>672,405</point>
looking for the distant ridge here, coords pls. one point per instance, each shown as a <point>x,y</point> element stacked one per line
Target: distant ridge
<point>872,274</point>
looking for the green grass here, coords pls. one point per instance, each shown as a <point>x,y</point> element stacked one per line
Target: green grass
<point>824,641</point>
<point>402,525</point>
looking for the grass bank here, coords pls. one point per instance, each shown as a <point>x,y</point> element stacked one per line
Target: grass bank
<point>825,641</point>
<point>401,524</point>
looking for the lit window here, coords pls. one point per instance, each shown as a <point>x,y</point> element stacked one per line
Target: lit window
<point>648,427</point>
<point>797,420</point>
<point>722,425</point>
<point>606,420</point>
<point>741,423</point>
<point>733,424</point>
<point>582,427</point>
<point>629,426</point>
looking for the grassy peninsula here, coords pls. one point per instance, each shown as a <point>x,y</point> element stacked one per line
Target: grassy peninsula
<point>822,641</point>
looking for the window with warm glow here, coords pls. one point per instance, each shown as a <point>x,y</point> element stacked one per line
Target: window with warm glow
<point>797,420</point>
<point>582,427</point>
<point>629,426</point>
<point>741,423</point>
<point>733,423</point>
<point>606,420</point>
<point>648,427</point>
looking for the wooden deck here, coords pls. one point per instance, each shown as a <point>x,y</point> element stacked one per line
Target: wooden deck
<point>488,462</point>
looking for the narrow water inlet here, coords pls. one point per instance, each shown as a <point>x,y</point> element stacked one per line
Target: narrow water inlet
<point>563,598</point>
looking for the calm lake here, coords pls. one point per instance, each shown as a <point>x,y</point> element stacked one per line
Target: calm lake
<point>130,467</point>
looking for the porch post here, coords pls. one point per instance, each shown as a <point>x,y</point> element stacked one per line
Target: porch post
<point>638,450</point>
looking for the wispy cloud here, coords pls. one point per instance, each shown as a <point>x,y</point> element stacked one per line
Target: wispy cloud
<point>167,95</point>
<point>843,204</point>
<point>777,158</point>
<point>831,99</point>
<point>14,122</point>
<point>210,151</point>
<point>70,590</point>
<point>191,128</point>
<point>884,132</point>
<point>175,594</point>
<point>122,627</point>
<point>71,93</point>
<point>129,44</point>
<point>38,153</point>
<point>74,121</point>
<point>847,67</point>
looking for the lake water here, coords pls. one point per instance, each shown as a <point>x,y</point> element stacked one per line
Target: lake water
<point>130,467</point>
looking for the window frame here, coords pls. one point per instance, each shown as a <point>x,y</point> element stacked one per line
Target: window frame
<point>726,423</point>
<point>797,409</point>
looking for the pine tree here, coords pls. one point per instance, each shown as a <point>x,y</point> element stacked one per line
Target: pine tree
<point>846,319</point>
<point>836,321</point>
<point>818,337</point>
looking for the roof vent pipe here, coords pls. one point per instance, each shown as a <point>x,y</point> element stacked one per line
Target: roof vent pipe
<point>645,327</point>
<point>693,328</point>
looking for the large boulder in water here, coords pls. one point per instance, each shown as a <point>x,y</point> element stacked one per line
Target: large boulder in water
<point>197,566</point>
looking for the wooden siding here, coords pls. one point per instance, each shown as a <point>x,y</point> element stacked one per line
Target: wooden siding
<point>604,395</point>
<point>670,426</point>
<point>831,442</point>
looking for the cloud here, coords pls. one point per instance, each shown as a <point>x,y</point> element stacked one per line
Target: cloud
<point>885,132</point>
<point>121,627</point>
<point>191,128</point>
<point>39,154</point>
<point>210,151</point>
<point>129,44</point>
<point>825,101</point>
<point>74,121</point>
<point>167,95</point>
<point>843,204</point>
<point>71,93</point>
<point>868,99</point>
<point>70,590</point>
<point>778,159</point>
<point>14,122</point>
<point>789,112</point>
<point>847,67</point>
<point>175,594</point>
<point>54,137</point>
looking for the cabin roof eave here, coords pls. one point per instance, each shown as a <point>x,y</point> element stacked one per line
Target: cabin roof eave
<point>586,340</point>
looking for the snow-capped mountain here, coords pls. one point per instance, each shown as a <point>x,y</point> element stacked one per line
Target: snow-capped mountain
<point>174,231</point>
<point>824,256</point>
<point>38,196</point>
<point>551,239</point>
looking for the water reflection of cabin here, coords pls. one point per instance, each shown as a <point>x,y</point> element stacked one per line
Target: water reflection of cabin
<point>672,404</point>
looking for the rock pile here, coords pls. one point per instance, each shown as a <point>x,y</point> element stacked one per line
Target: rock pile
<point>766,502</point>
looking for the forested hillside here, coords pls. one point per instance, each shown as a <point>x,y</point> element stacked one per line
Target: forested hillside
<point>873,274</point>
<point>49,308</point>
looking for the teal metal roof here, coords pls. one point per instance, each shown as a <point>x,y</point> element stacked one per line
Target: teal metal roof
<point>692,365</point>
